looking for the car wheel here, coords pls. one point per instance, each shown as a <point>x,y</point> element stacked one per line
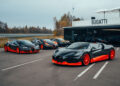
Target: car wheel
<point>112,54</point>
<point>5,48</point>
<point>17,50</point>
<point>86,59</point>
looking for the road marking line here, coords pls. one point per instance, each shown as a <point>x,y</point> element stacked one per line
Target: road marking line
<point>101,69</point>
<point>83,72</point>
<point>20,65</point>
<point>117,49</point>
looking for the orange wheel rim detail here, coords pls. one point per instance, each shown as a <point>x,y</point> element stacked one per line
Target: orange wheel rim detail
<point>41,46</point>
<point>17,50</point>
<point>112,54</point>
<point>86,59</point>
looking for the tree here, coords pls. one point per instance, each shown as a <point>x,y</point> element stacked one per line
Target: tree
<point>5,29</point>
<point>64,21</point>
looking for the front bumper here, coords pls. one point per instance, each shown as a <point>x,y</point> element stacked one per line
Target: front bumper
<point>66,63</point>
<point>51,47</point>
<point>29,51</point>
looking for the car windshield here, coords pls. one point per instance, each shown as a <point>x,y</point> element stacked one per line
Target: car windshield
<point>78,46</point>
<point>25,42</point>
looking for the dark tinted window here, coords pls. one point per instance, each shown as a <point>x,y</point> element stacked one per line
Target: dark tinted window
<point>14,43</point>
<point>96,46</point>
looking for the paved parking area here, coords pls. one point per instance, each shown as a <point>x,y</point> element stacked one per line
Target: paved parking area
<point>37,70</point>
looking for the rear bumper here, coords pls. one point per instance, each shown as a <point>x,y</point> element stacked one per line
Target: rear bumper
<point>66,63</point>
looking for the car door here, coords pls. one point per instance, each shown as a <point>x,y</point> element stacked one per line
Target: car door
<point>105,51</point>
<point>96,50</point>
<point>99,53</point>
<point>11,45</point>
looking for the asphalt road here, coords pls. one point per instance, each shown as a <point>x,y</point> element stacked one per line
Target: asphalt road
<point>37,70</point>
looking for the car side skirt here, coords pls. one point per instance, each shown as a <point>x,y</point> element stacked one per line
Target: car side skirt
<point>100,58</point>
<point>30,51</point>
<point>11,50</point>
<point>66,63</point>
<point>96,59</point>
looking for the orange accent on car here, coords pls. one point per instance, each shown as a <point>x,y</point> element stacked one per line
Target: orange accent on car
<point>41,46</point>
<point>17,50</point>
<point>30,51</point>
<point>112,54</point>
<point>11,50</point>
<point>55,42</point>
<point>86,59</point>
<point>66,63</point>
<point>5,48</point>
<point>100,58</point>
<point>46,43</point>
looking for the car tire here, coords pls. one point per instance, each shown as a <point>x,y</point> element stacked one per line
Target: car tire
<point>17,50</point>
<point>112,54</point>
<point>86,59</point>
<point>5,48</point>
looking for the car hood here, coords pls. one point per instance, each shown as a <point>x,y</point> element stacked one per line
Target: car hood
<point>32,45</point>
<point>66,51</point>
<point>51,43</point>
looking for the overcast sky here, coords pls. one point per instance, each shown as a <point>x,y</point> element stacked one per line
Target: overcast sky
<point>41,12</point>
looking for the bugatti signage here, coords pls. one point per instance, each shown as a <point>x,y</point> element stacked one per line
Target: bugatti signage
<point>93,21</point>
<point>100,21</point>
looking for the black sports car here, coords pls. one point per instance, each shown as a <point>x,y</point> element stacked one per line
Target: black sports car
<point>46,43</point>
<point>83,53</point>
<point>38,42</point>
<point>21,46</point>
<point>61,42</point>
